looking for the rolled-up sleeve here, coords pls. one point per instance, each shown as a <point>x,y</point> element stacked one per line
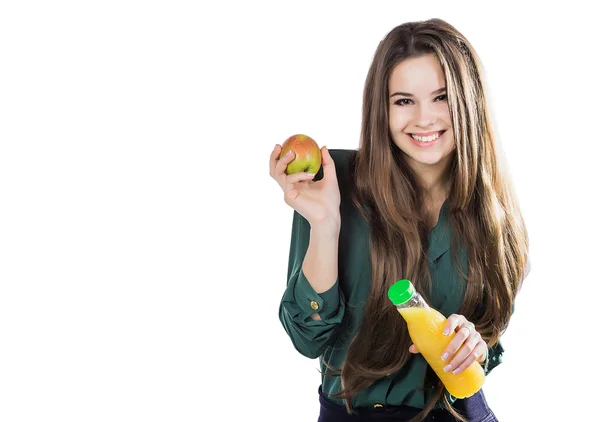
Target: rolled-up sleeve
<point>300,300</point>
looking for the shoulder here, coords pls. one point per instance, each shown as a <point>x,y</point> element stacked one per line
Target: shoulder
<point>342,157</point>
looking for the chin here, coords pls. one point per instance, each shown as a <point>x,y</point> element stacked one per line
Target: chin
<point>429,160</point>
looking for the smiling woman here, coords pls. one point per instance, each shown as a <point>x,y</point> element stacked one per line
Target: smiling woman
<point>420,115</point>
<point>420,124</point>
<point>422,199</point>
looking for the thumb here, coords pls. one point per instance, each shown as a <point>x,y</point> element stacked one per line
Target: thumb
<point>327,162</point>
<point>413,349</point>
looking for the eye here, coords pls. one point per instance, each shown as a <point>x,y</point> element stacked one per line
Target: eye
<point>403,102</point>
<point>443,97</point>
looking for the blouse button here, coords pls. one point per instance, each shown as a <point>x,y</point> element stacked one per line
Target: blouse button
<point>314,304</point>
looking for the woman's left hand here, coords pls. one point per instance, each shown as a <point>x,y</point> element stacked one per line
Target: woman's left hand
<point>467,344</point>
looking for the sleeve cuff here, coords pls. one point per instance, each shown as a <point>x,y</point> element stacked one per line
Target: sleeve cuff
<point>326,304</point>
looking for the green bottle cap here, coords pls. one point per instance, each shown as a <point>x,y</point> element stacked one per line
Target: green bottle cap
<point>401,292</point>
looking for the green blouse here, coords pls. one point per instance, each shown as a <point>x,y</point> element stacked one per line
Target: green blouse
<point>341,307</point>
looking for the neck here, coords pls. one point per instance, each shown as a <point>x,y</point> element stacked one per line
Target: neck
<point>433,179</point>
<point>435,191</point>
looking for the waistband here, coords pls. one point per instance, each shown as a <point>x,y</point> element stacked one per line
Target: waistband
<point>402,412</point>
<point>474,408</point>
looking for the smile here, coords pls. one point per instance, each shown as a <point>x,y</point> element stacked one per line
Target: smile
<point>426,141</point>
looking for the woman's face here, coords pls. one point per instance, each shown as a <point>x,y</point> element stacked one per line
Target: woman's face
<point>419,116</point>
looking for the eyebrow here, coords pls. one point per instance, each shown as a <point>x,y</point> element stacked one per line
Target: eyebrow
<point>406,94</point>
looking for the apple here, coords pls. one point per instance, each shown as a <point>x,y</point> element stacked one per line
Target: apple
<point>308,154</point>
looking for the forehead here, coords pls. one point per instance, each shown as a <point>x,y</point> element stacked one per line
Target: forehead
<point>417,75</point>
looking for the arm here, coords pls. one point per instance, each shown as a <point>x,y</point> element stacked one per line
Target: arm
<point>312,306</point>
<point>320,264</point>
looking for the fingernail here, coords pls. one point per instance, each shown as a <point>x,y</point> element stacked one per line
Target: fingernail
<point>445,356</point>
<point>446,332</point>
<point>456,371</point>
<point>447,368</point>
<point>310,174</point>
<point>288,153</point>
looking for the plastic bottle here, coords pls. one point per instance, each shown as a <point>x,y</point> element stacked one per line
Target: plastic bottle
<point>425,327</point>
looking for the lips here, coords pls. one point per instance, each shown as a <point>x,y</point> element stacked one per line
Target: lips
<point>428,140</point>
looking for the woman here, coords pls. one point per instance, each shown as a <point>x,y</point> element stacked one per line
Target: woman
<point>423,198</point>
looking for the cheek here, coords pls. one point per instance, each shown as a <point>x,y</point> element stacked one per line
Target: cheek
<point>452,143</point>
<point>445,114</point>
<point>398,120</point>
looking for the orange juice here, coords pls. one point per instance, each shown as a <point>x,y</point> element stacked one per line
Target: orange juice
<point>425,326</point>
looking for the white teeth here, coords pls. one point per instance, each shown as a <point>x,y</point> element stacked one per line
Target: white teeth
<point>426,138</point>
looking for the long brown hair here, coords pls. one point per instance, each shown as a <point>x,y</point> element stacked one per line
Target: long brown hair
<point>482,210</point>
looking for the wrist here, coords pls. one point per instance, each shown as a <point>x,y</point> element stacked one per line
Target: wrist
<point>328,226</point>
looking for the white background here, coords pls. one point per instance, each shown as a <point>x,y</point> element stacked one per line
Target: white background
<point>143,246</point>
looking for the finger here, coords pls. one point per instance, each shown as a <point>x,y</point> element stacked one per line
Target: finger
<point>283,162</point>
<point>413,349</point>
<point>484,354</point>
<point>461,336</point>
<point>298,177</point>
<point>463,353</point>
<point>273,159</point>
<point>475,354</point>
<point>452,322</point>
<point>290,187</point>
<point>328,163</point>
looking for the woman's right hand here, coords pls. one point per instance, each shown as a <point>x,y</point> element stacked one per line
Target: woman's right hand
<point>318,202</point>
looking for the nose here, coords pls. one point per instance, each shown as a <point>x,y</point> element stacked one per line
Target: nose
<point>425,115</point>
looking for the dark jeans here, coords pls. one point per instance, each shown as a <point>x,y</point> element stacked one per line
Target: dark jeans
<point>474,409</point>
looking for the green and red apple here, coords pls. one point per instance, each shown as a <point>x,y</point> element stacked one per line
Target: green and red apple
<point>308,154</point>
